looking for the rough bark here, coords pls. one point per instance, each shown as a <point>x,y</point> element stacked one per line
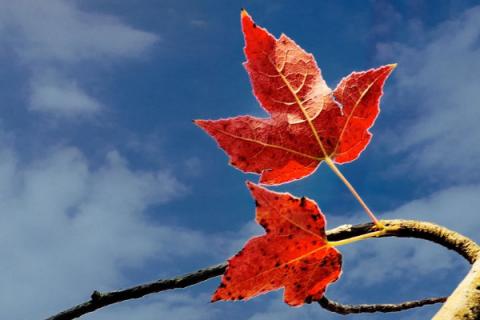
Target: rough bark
<point>464,302</point>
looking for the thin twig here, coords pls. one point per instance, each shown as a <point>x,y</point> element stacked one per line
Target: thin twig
<point>396,228</point>
<point>99,300</point>
<point>340,308</point>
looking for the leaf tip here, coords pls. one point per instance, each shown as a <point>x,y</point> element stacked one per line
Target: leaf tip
<point>246,20</point>
<point>198,122</point>
<point>393,66</point>
<point>244,13</point>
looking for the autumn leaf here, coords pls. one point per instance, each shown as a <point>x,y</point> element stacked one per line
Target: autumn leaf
<point>308,122</point>
<point>294,252</point>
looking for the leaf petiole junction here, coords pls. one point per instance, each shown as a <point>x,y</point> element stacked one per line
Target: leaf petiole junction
<point>369,235</point>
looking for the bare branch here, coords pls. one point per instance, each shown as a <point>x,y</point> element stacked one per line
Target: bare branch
<point>340,308</point>
<point>99,300</point>
<point>396,228</point>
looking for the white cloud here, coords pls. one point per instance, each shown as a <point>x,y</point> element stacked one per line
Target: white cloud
<point>437,98</point>
<point>67,228</point>
<point>61,97</point>
<point>58,30</point>
<point>57,35</point>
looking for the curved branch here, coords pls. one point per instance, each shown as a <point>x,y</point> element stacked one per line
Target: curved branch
<point>396,228</point>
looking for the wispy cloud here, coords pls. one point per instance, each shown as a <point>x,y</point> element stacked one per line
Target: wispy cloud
<point>67,228</point>
<point>61,97</point>
<point>60,31</point>
<point>59,37</point>
<point>437,92</point>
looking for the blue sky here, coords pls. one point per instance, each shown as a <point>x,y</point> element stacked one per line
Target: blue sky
<point>106,183</point>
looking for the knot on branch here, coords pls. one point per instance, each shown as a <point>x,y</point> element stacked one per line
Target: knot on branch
<point>96,295</point>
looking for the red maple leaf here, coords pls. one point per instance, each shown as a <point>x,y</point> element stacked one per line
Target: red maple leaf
<point>308,121</point>
<point>294,253</point>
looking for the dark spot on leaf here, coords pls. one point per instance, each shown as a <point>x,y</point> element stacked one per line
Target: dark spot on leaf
<point>302,202</point>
